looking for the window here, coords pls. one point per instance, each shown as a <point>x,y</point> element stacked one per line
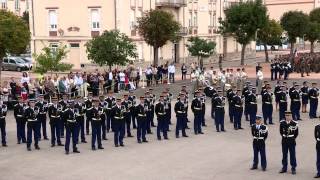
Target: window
<point>212,19</point>
<point>11,61</point>
<point>17,4</point>
<point>190,19</point>
<point>132,19</point>
<point>5,60</point>
<point>3,4</point>
<point>54,47</point>
<point>195,19</point>
<point>53,20</point>
<point>95,20</point>
<point>140,3</point>
<point>133,3</point>
<point>74,45</point>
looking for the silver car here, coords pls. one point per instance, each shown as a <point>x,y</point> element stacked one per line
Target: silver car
<point>14,64</point>
<point>28,61</point>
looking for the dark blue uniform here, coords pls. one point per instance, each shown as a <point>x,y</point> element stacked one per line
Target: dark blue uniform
<point>260,134</point>
<point>89,107</point>
<point>71,129</point>
<point>304,96</point>
<point>196,107</point>
<point>141,116</point>
<point>219,112</point>
<point>42,118</point>
<point>132,99</point>
<point>103,105</point>
<point>80,109</point>
<point>18,112</point>
<point>245,93</point>
<point>167,105</point>
<point>62,123</point>
<point>3,114</point>
<point>31,115</point>
<point>161,117</point>
<point>148,102</point>
<point>283,104</point>
<point>289,132</point>
<point>55,113</point>
<point>313,95</point>
<point>96,125</point>
<point>127,116</point>
<point>317,137</point>
<point>230,94</point>
<point>118,122</point>
<point>267,107</point>
<point>181,114</point>
<point>238,111</point>
<point>253,107</point>
<point>295,104</point>
<point>111,102</point>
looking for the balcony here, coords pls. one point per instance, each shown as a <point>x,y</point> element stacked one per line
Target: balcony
<point>171,3</point>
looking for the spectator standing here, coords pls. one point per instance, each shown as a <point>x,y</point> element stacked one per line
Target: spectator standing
<point>184,72</point>
<point>172,71</point>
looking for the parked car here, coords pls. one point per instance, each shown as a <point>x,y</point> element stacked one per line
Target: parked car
<point>14,64</point>
<point>28,62</point>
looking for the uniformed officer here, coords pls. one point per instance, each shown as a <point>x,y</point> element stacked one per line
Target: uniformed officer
<point>289,132</point>
<point>181,114</point>
<point>253,107</point>
<point>141,114</point>
<point>30,114</point>
<point>127,114</point>
<point>69,119</point>
<point>161,117</point>
<point>283,104</point>
<point>273,69</point>
<point>132,98</point>
<point>267,107</point>
<point>259,132</point>
<point>102,105</point>
<point>118,122</point>
<point>238,109</point>
<point>89,106</point>
<point>305,91</point>
<point>313,95</point>
<point>317,137</point>
<point>219,102</point>
<point>96,124</point>
<point>245,93</point>
<point>64,103</point>
<point>277,90</point>
<point>42,116</point>
<point>196,107</point>
<point>111,101</point>
<point>167,105</point>
<point>203,103</point>
<point>153,100</point>
<point>18,112</point>
<point>3,114</point>
<point>148,102</point>
<point>55,113</point>
<point>295,102</point>
<point>80,108</point>
<point>230,94</point>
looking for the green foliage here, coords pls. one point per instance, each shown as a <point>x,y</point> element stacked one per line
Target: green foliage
<point>200,48</point>
<point>157,27</point>
<point>25,17</point>
<point>312,31</point>
<point>14,34</point>
<point>315,15</point>
<point>111,48</point>
<point>50,61</point>
<point>243,20</point>
<point>271,33</point>
<point>295,23</point>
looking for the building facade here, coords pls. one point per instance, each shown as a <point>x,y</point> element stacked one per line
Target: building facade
<point>16,6</point>
<point>73,23</point>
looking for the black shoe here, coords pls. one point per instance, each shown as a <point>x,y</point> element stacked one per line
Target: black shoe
<point>263,169</point>
<point>253,168</point>
<point>93,148</point>
<point>293,171</point>
<point>24,141</point>
<point>134,127</point>
<point>149,133</point>
<point>271,123</point>
<point>177,136</point>
<point>166,138</point>
<point>122,145</point>
<point>60,144</point>
<point>299,119</point>
<point>84,141</point>
<point>317,176</point>
<point>145,141</point>
<point>201,133</point>
<point>187,127</point>
<point>153,126</point>
<point>240,128</point>
<point>104,139</point>
<point>29,148</point>
<point>76,151</point>
<point>116,145</point>
<point>46,138</point>
<point>282,171</point>
<point>223,130</point>
<point>18,142</point>
<point>204,125</point>
<point>139,141</point>
<point>159,139</point>
<point>235,128</point>
<point>4,145</point>
<point>130,135</point>
<point>53,145</point>
<point>67,152</point>
<point>37,147</point>
<point>185,136</point>
<point>218,130</point>
<point>100,147</point>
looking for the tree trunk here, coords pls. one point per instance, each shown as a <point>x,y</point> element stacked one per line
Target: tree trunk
<point>155,55</point>
<point>243,50</point>
<point>311,47</point>
<point>266,52</point>
<point>109,67</point>
<point>201,63</point>
<point>291,52</point>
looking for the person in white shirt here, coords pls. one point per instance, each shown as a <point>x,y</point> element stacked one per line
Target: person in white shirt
<point>25,78</point>
<point>122,79</point>
<point>78,81</point>
<point>171,70</point>
<point>259,80</point>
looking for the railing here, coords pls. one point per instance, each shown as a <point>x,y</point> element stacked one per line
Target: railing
<point>171,3</point>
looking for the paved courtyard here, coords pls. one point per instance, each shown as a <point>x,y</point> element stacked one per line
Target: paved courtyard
<point>212,156</point>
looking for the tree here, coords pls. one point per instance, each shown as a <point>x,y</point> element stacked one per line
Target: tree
<point>315,15</point>
<point>25,17</point>
<point>200,48</point>
<point>111,48</point>
<point>242,22</point>
<point>50,61</point>
<point>157,27</point>
<point>295,23</point>
<point>270,35</point>
<point>312,34</point>
<point>14,35</point>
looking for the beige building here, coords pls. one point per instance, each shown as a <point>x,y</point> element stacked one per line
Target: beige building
<point>73,23</point>
<point>16,6</point>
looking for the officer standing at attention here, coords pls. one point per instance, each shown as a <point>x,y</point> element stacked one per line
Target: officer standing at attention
<point>118,122</point>
<point>267,107</point>
<point>132,99</point>
<point>295,102</point>
<point>245,93</point>
<point>283,103</point>
<point>161,113</point>
<point>55,111</point>
<point>196,107</point>
<point>102,107</point>
<point>153,100</point>
<point>127,114</point>
<point>141,114</point>
<point>96,125</point>
<point>289,132</point>
<point>253,107</point>
<point>230,94</point>
<point>238,110</point>
<point>305,97</point>
<point>277,90</point>
<point>18,112</point>
<point>148,103</point>
<point>219,102</point>
<point>42,116</point>
<point>30,114</point>
<point>3,114</point>
<point>167,105</point>
<point>80,108</point>
<point>111,102</point>
<point>259,132</point>
<point>313,96</point>
<point>89,107</point>
<point>64,104</point>
<point>181,114</point>
<point>317,137</point>
<point>71,127</point>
